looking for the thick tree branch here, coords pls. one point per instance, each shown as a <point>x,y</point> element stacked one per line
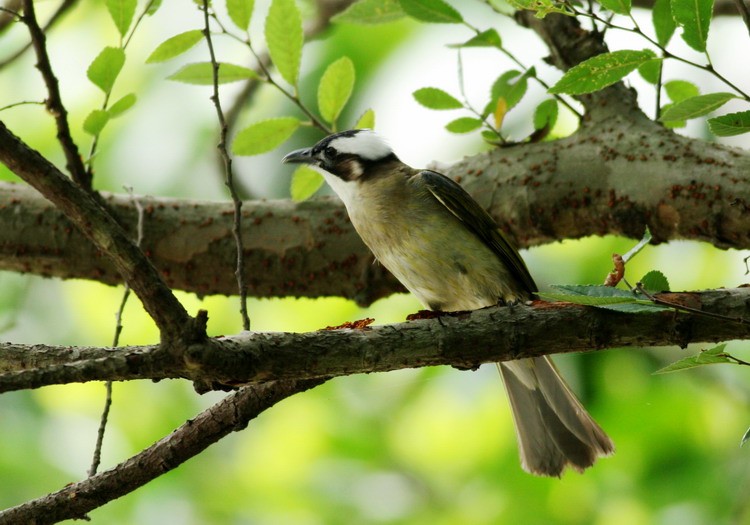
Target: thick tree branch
<point>101,229</point>
<point>232,414</point>
<point>463,340</point>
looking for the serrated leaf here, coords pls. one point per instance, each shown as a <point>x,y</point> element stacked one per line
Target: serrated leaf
<point>432,11</point>
<point>463,125</point>
<point>695,107</point>
<point>694,16</point>
<point>600,71</point>
<point>366,121</point>
<point>201,73</point>
<point>672,123</point>
<point>730,124</point>
<point>105,67</point>
<point>175,46</point>
<point>489,38</point>
<point>335,88</point>
<point>679,90</point>
<point>284,38</point>
<point>95,121</point>
<point>664,25</point>
<point>122,12</point>
<point>264,136</point>
<point>305,182</point>
<point>370,12</point>
<point>638,247</point>
<point>621,7</point>
<point>240,11</point>
<point>708,357</point>
<point>655,281</point>
<point>541,7</point>
<point>546,114</point>
<point>511,86</point>
<point>650,71</point>
<point>435,98</point>
<point>122,105</point>
<point>605,297</point>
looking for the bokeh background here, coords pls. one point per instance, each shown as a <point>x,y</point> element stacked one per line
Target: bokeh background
<point>429,446</point>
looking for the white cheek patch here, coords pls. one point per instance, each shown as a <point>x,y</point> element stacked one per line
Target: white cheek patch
<point>366,144</point>
<point>346,190</point>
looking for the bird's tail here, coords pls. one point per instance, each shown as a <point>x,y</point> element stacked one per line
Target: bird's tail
<point>553,428</point>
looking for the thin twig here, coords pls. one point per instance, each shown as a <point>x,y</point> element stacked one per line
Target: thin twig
<point>25,102</point>
<point>228,173</point>
<point>115,343</point>
<point>54,102</point>
<point>640,288</point>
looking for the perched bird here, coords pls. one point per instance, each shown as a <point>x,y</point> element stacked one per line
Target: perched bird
<point>449,252</point>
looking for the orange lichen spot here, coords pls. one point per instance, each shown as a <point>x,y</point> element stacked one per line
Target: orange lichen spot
<point>360,324</point>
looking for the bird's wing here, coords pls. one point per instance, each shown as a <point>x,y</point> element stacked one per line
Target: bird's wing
<point>467,210</point>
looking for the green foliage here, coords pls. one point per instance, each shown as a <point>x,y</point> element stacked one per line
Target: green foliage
<point>463,125</point>
<point>175,46</point>
<point>635,250</point>
<point>284,38</point>
<point>655,281</point>
<point>264,136</point>
<point>545,114</point>
<point>697,106</point>
<point>335,88</point>
<point>488,38</point>
<point>240,11</point>
<point>201,73</point>
<point>432,11</point>
<point>366,121</point>
<point>600,71</point>
<point>731,124</point>
<point>370,12</point>
<point>694,16</point>
<point>621,7</point>
<point>122,12</point>
<point>122,105</point>
<point>664,24</point>
<point>604,297</point>
<point>105,68</point>
<point>95,121</point>
<point>679,90</point>
<point>435,98</point>
<point>711,356</point>
<point>305,182</point>
<point>650,71</point>
<point>510,86</point>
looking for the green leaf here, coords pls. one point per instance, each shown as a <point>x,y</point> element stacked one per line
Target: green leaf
<point>175,46</point>
<point>541,7</point>
<point>240,11</point>
<point>546,114</point>
<point>655,281</point>
<point>122,12</point>
<point>600,71</point>
<point>605,297</point>
<point>650,70</point>
<point>305,182</point>
<point>435,98</point>
<point>695,107</point>
<point>706,357</point>
<point>489,38</point>
<point>432,11</point>
<point>264,136</point>
<point>672,123</point>
<point>366,121</point>
<point>621,7</point>
<point>122,105</point>
<point>635,250</point>
<point>588,300</point>
<point>201,73</point>
<point>153,7</point>
<point>694,16</point>
<point>745,437</point>
<point>679,90</point>
<point>509,89</point>
<point>284,38</point>
<point>664,25</point>
<point>335,88</point>
<point>370,12</point>
<point>463,125</point>
<point>106,66</point>
<point>731,124</point>
<point>95,121</point>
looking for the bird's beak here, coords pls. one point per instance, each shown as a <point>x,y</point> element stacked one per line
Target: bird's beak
<point>300,156</point>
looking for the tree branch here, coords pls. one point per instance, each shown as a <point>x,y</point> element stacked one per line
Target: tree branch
<point>232,414</point>
<point>464,340</point>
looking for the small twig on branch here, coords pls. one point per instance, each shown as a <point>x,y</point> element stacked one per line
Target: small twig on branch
<point>54,101</point>
<point>228,174</point>
<point>231,414</point>
<point>689,309</point>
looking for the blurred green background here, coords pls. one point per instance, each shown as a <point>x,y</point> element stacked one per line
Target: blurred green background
<point>429,446</point>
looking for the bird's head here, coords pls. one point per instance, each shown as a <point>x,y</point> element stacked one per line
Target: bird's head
<point>349,156</point>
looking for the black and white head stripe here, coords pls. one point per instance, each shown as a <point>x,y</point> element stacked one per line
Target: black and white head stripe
<point>362,143</point>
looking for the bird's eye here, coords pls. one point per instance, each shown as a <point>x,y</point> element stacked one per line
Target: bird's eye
<point>330,152</point>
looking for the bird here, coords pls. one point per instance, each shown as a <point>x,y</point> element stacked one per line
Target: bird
<point>451,254</point>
